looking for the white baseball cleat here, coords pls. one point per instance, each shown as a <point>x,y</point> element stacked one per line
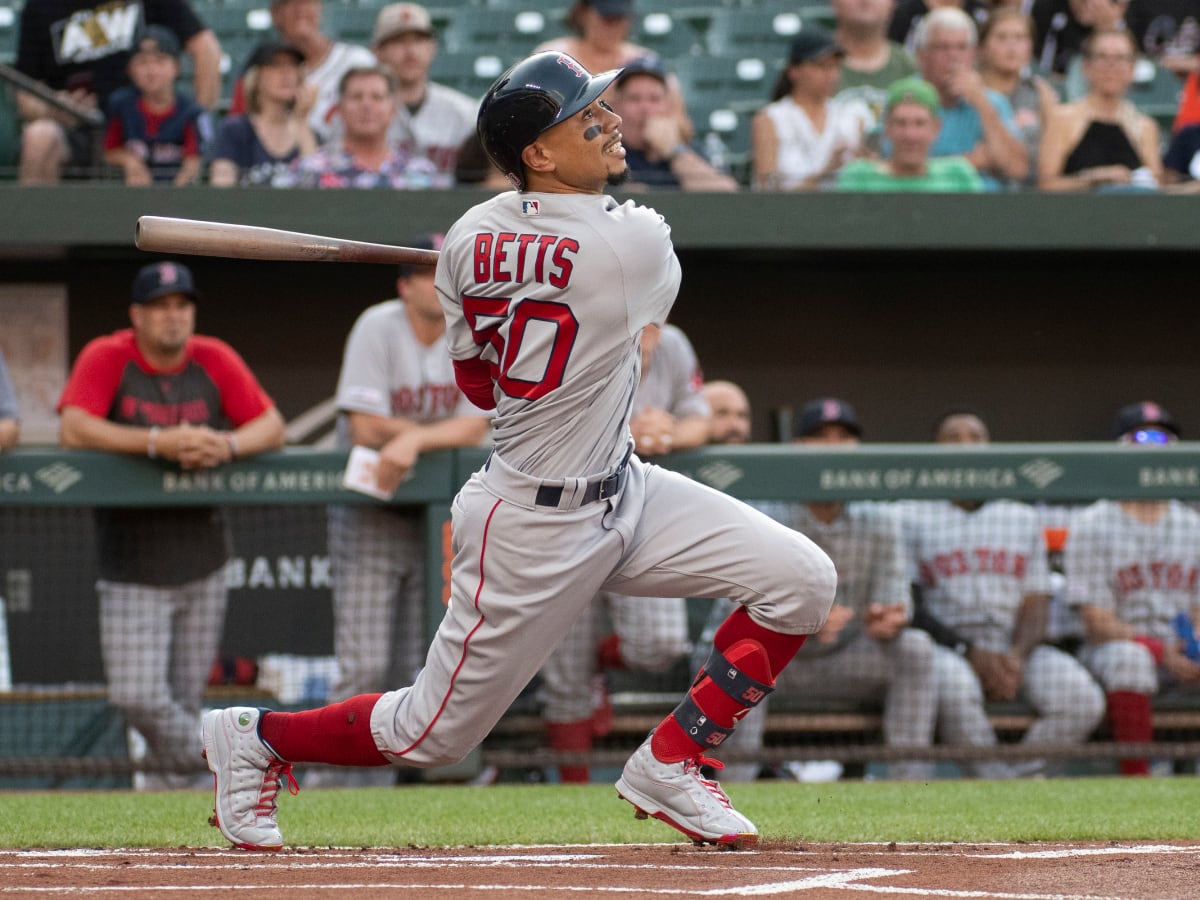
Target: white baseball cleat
<point>676,793</point>
<point>246,778</point>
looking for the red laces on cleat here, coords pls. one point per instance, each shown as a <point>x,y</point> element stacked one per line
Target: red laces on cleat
<point>270,788</point>
<point>692,767</point>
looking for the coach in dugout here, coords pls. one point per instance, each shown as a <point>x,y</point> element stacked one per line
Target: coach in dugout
<point>160,390</point>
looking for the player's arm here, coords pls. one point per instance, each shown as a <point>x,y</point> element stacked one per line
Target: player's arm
<point>10,433</point>
<point>205,51</point>
<point>1100,624</point>
<point>400,454</point>
<point>79,429</point>
<point>938,630</point>
<point>1029,630</point>
<point>689,432</point>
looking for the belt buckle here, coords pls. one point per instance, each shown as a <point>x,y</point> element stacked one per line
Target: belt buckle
<point>609,485</point>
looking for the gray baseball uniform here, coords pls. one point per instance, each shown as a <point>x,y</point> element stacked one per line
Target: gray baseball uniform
<point>653,631</point>
<point>974,569</point>
<point>552,290</point>
<point>378,552</point>
<point>864,543</point>
<point>1144,572</point>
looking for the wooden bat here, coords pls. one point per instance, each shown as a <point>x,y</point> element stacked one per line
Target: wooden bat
<point>198,238</point>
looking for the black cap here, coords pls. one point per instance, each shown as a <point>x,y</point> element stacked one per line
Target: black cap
<point>425,241</point>
<point>157,39</point>
<point>644,65</point>
<point>826,411</point>
<point>610,9</point>
<point>811,43</point>
<point>1143,415</point>
<point>162,278</point>
<point>265,53</point>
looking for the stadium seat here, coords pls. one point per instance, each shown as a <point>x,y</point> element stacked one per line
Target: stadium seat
<point>8,32</point>
<point>668,35</point>
<point>761,31</point>
<point>484,30</point>
<point>471,73</point>
<point>742,84</point>
<point>10,134</point>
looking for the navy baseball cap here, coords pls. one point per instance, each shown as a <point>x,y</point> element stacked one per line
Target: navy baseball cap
<point>826,411</point>
<point>266,53</point>
<point>1142,415</point>
<point>644,65</point>
<point>162,278</point>
<point>157,39</point>
<point>812,43</point>
<point>611,9</point>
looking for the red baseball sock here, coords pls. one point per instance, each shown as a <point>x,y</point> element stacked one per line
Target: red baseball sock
<point>339,734</point>
<point>575,737</point>
<point>780,647</point>
<point>1130,719</point>
<point>608,653</point>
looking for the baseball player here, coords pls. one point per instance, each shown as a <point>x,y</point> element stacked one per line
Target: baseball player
<point>983,579</point>
<point>1132,566</point>
<point>866,649</point>
<point>396,394</point>
<point>649,634</point>
<point>546,291</point>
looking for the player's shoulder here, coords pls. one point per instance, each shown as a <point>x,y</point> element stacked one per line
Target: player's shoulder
<point>118,344</point>
<point>207,351</point>
<point>380,317</point>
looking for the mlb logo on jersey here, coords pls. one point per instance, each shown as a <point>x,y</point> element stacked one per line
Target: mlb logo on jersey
<point>531,207</point>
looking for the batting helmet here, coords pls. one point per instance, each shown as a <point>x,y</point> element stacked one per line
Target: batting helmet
<point>535,94</point>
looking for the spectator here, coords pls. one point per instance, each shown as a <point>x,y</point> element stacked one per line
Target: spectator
<point>1006,53</point>
<point>1062,26</point>
<point>190,402</point>
<point>79,48</point>
<point>911,125</point>
<point>910,13</point>
<point>983,581</point>
<point>1167,31</point>
<point>865,651</point>
<point>326,61</point>
<point>10,416</point>
<point>649,634</point>
<point>601,43</point>
<point>871,61</point>
<point>1181,164</point>
<point>396,394</point>
<point>363,158</point>
<point>803,136</point>
<point>432,120</point>
<point>473,168</point>
<point>1101,141</point>
<point>729,413</point>
<point>154,135</point>
<point>977,122</point>
<point>256,148</point>
<point>1131,568</point>
<point>655,149</point>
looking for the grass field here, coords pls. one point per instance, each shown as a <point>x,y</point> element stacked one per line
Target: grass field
<point>1070,809</point>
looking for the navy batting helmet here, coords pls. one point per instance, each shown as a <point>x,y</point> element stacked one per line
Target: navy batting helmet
<point>535,94</point>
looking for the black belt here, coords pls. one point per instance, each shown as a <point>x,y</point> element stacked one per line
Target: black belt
<point>597,488</point>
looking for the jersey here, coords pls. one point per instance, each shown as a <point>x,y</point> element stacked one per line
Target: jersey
<point>387,371</point>
<point>1145,573</point>
<point>161,140</point>
<point>976,568</point>
<point>673,382</point>
<point>85,44</point>
<point>214,387</point>
<point>553,291</point>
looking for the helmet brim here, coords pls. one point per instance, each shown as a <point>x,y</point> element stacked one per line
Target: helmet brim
<point>591,92</point>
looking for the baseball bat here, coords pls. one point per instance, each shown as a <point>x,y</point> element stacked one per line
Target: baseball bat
<point>192,236</point>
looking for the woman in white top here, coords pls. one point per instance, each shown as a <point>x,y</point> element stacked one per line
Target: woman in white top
<point>801,139</point>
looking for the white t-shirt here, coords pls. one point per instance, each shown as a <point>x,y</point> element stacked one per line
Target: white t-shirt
<point>803,151</point>
<point>327,76</point>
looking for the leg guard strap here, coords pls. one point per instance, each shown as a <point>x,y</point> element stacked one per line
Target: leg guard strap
<point>699,728</point>
<point>740,687</point>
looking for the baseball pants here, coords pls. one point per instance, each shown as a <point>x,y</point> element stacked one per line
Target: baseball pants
<point>523,574</point>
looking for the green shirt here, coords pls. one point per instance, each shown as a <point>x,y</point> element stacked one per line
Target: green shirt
<point>945,174</point>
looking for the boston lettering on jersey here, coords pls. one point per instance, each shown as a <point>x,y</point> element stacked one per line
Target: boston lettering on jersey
<point>978,561</point>
<point>508,256</point>
<point>431,400</point>
<point>145,398</point>
<point>1158,575</point>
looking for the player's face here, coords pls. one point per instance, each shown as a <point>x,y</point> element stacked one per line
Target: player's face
<point>418,293</point>
<point>153,73</point>
<point>639,99</point>
<point>163,325</point>
<point>366,106</point>
<point>912,129</point>
<point>963,428</point>
<point>297,21</point>
<point>948,52</point>
<point>730,419</point>
<point>409,55</point>
<point>586,150</point>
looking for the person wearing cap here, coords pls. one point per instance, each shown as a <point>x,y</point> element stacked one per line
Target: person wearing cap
<point>186,402</point>
<point>866,650</point>
<point>298,23</point>
<point>432,120</point>
<point>803,136</point>
<point>1133,568</point>
<point>601,43</point>
<point>981,577</point>
<point>911,121</point>
<point>656,152</point>
<point>396,394</point>
<point>257,148</point>
<point>154,134</point>
<point>80,50</point>
<point>977,122</point>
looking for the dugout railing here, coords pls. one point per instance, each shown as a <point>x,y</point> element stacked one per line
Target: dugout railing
<point>57,729</point>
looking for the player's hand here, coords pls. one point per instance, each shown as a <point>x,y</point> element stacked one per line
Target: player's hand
<point>1176,662</point>
<point>884,621</point>
<point>967,86</point>
<point>396,459</point>
<point>1109,175</point>
<point>306,99</point>
<point>653,431</point>
<point>834,623</point>
<point>200,447</point>
<point>999,673</point>
<point>662,135</point>
<point>137,174</point>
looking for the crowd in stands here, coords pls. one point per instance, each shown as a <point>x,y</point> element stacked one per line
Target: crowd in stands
<point>1042,94</point>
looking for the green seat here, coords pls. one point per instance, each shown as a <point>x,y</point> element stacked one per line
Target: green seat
<point>760,31</point>
<point>512,31</point>
<point>10,134</point>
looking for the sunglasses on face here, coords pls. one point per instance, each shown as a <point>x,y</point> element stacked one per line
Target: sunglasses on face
<point>1149,436</point>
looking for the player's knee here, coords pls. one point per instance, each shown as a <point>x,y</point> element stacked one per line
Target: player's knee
<point>812,586</point>
<point>41,139</point>
<point>913,649</point>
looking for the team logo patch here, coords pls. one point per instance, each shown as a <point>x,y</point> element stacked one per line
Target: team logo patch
<point>531,207</point>
<point>570,63</point>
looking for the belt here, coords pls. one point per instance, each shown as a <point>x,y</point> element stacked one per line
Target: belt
<point>597,488</point>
